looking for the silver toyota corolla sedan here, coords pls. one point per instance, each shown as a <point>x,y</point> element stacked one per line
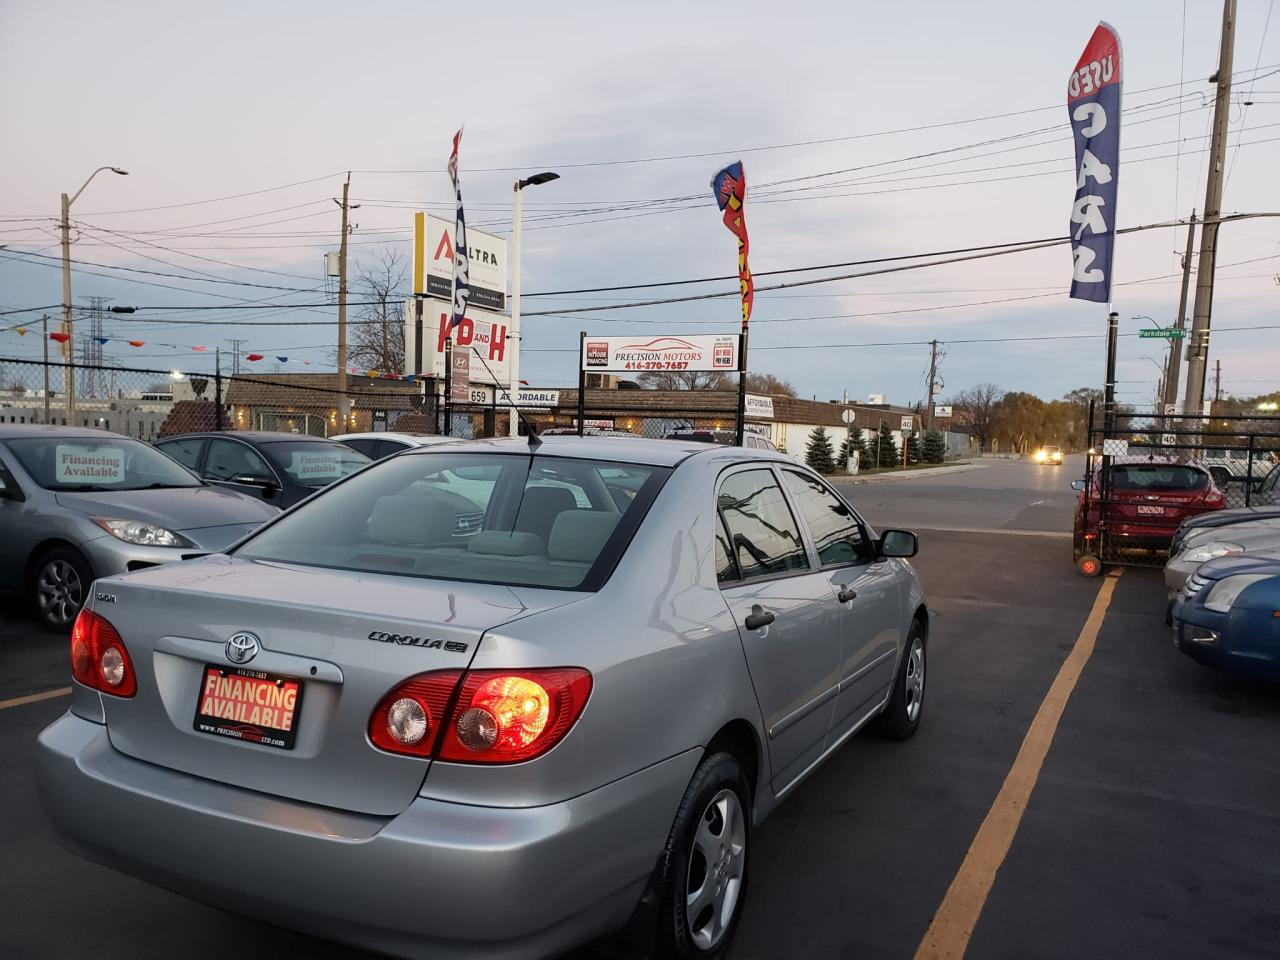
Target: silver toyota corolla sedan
<point>375,724</point>
<point>76,504</point>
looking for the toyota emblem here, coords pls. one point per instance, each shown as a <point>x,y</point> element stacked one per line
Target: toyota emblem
<point>242,647</point>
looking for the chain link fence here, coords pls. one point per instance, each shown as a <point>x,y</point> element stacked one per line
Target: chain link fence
<point>1136,488</point>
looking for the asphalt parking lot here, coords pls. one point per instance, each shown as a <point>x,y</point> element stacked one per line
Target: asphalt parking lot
<point>1149,830</point>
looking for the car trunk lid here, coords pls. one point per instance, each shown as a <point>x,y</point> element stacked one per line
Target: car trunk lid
<point>339,640</point>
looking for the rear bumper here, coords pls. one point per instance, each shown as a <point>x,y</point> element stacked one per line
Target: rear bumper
<point>439,880</point>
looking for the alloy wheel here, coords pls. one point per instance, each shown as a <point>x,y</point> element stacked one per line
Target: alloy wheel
<point>59,592</point>
<point>915,679</point>
<point>716,866</point>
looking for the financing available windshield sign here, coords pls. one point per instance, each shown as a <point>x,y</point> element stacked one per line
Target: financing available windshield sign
<point>661,353</point>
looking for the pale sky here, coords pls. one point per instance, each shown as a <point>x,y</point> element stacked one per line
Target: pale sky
<point>218,100</point>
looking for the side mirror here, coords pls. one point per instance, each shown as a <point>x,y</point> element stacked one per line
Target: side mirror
<point>899,543</point>
<point>1077,485</point>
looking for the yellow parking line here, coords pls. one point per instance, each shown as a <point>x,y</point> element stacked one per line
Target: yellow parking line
<point>34,698</point>
<point>948,935</point>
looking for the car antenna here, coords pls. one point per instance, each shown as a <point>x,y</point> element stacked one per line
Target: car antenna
<point>534,439</point>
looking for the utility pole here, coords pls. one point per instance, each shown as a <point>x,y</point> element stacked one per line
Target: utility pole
<point>344,403</point>
<point>933,371</point>
<point>235,354</point>
<point>1198,350</point>
<point>44,330</point>
<point>1217,381</point>
<point>68,371</point>
<point>1174,368</point>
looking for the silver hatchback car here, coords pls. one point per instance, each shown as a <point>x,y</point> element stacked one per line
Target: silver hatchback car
<point>504,739</point>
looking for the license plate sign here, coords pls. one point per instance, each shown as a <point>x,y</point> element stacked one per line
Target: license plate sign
<point>1148,511</point>
<point>249,705</point>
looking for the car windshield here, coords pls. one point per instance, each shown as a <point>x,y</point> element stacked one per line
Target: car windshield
<point>1157,477</point>
<point>314,463</point>
<point>105,462</point>
<point>515,520</point>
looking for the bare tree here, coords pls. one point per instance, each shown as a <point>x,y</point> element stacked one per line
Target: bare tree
<point>977,408</point>
<point>377,338</point>
<point>683,380</point>
<point>765,383</point>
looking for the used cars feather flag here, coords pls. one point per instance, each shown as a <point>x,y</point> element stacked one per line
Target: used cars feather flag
<point>730,188</point>
<point>461,285</point>
<point>1093,101</point>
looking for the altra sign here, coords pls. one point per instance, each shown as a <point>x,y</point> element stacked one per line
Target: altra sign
<point>433,263</point>
<point>661,353</point>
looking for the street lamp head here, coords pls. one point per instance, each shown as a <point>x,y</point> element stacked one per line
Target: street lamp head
<point>123,173</point>
<point>538,179</point>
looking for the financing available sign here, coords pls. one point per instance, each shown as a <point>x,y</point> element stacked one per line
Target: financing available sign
<point>661,353</point>
<point>76,463</point>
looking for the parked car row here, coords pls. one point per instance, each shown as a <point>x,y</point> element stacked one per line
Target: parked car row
<point>80,504</point>
<point>487,662</point>
<point>1221,566</point>
<point>1223,578</point>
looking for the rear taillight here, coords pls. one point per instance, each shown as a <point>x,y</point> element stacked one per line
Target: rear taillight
<point>99,659</point>
<point>498,716</point>
<point>1215,499</point>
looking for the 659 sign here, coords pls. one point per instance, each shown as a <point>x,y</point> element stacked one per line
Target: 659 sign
<point>661,353</point>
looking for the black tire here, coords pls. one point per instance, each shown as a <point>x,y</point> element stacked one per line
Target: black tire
<point>1221,476</point>
<point>60,582</point>
<point>1089,565</point>
<point>683,862</point>
<point>901,717</point>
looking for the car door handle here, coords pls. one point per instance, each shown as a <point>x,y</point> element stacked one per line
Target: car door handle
<point>846,594</point>
<point>758,617</point>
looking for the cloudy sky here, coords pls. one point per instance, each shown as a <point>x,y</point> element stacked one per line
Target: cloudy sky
<point>945,122</point>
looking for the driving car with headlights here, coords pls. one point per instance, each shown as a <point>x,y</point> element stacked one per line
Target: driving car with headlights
<point>1228,615</point>
<point>567,722</point>
<point>1051,455</point>
<point>77,504</point>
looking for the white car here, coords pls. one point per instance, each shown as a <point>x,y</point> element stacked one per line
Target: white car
<point>375,446</point>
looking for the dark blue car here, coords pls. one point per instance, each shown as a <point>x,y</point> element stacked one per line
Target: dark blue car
<point>1228,615</point>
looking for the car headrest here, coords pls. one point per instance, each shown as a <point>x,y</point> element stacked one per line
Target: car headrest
<point>415,520</point>
<point>499,543</point>
<point>580,535</point>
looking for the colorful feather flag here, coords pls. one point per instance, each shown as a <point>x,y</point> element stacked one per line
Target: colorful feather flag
<point>730,189</point>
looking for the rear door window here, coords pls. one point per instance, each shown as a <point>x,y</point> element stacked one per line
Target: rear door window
<point>229,459</point>
<point>763,535</point>
<point>186,452</point>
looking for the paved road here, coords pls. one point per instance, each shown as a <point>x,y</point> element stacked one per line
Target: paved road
<point>999,495</point>
<point>1150,830</point>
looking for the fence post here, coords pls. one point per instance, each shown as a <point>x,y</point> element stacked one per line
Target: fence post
<point>1248,482</point>
<point>582,382</point>
<point>217,392</point>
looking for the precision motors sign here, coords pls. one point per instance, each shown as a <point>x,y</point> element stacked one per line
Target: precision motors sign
<point>661,353</point>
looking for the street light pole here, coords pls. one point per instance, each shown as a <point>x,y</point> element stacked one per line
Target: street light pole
<point>68,345</point>
<point>517,205</point>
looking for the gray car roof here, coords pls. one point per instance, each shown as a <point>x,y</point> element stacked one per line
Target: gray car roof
<point>256,436</point>
<point>641,450</point>
<point>16,431</point>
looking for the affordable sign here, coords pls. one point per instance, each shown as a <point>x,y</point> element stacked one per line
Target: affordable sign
<point>661,353</point>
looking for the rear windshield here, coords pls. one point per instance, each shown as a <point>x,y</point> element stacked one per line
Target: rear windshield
<point>1157,477</point>
<point>488,518</point>
<point>314,463</point>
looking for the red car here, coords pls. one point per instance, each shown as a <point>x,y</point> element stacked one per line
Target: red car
<point>1136,520</point>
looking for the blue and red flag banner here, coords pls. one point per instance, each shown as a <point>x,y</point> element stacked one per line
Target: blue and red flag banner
<point>461,285</point>
<point>1093,102</point>
<point>730,189</point>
